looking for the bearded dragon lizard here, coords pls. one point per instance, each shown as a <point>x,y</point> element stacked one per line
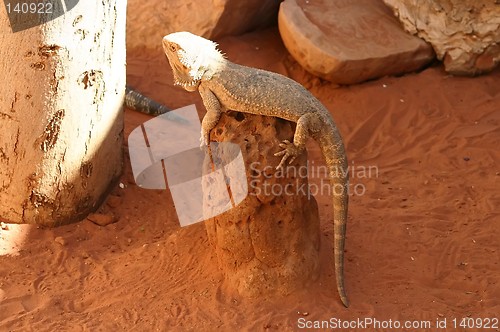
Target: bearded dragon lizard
<point>197,64</point>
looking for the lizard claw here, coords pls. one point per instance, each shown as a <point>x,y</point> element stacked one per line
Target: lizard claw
<point>289,151</point>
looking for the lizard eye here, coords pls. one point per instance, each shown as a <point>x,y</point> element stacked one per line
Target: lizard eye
<point>173,48</point>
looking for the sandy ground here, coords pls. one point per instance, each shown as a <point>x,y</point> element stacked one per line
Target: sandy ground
<point>423,239</point>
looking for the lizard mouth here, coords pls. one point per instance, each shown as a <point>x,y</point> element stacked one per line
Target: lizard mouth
<point>187,85</point>
<point>183,77</point>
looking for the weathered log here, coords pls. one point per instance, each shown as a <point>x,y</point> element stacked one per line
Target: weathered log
<point>268,243</point>
<point>464,33</point>
<point>61,113</point>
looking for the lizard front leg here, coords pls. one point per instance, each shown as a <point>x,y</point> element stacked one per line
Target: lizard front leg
<point>210,120</point>
<point>292,150</point>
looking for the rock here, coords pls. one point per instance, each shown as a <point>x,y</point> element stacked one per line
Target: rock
<point>4,226</point>
<point>348,42</point>
<point>269,243</point>
<point>465,34</point>
<point>210,19</point>
<point>60,240</point>
<point>114,201</point>
<point>102,219</point>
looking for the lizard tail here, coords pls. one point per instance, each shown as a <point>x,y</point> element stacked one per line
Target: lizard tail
<point>136,101</point>
<point>339,228</point>
<point>336,161</point>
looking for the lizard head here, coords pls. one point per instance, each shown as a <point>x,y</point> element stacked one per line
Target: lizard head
<point>193,58</point>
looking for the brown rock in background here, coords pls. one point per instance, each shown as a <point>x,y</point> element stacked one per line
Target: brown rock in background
<point>464,33</point>
<point>347,41</point>
<point>269,243</point>
<point>210,19</point>
<point>102,219</point>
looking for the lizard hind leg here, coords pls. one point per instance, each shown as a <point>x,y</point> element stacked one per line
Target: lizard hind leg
<point>289,152</point>
<point>292,150</point>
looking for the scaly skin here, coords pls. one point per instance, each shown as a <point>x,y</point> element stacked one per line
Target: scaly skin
<point>198,65</point>
<point>138,102</point>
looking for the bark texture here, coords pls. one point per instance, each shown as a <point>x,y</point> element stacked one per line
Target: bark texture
<point>464,33</point>
<point>60,113</point>
<point>269,243</point>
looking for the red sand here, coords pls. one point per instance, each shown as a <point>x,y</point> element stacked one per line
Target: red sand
<point>423,241</point>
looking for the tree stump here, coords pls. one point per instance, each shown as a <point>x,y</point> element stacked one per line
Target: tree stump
<point>61,113</point>
<point>269,243</point>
